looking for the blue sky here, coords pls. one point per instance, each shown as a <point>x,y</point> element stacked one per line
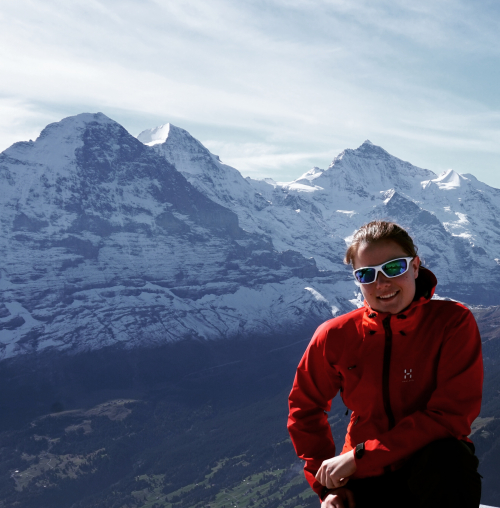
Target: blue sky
<point>273,87</point>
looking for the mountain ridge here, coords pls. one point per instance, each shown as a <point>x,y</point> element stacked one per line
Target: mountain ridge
<point>131,251</point>
<point>144,244</point>
<point>333,202</point>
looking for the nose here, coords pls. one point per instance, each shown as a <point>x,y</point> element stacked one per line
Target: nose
<point>382,280</point>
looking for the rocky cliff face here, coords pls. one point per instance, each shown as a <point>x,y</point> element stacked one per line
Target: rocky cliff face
<point>104,242</point>
<point>108,239</point>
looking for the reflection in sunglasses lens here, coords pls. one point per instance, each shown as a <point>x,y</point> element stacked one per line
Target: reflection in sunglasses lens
<point>366,275</point>
<point>395,267</point>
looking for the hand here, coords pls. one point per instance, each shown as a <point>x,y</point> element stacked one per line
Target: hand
<point>339,498</point>
<point>335,472</point>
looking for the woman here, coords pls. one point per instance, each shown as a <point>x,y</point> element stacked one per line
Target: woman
<point>410,370</point>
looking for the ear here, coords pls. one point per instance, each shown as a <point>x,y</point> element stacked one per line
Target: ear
<point>416,265</point>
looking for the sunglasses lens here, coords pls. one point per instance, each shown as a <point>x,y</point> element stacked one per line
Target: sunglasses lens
<point>395,268</point>
<point>365,275</point>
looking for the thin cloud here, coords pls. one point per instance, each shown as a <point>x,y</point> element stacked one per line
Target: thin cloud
<point>259,160</point>
<point>21,121</point>
<point>301,76</point>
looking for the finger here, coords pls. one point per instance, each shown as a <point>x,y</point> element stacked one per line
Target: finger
<point>332,501</point>
<point>350,498</point>
<point>329,483</point>
<point>320,476</point>
<point>323,477</point>
<point>337,502</point>
<point>327,502</point>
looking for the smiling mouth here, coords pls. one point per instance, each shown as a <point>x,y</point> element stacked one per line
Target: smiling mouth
<point>387,297</point>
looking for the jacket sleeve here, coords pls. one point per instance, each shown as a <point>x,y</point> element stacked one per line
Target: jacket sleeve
<point>451,409</point>
<point>316,383</point>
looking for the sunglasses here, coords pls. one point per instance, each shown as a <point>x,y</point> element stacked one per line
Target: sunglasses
<point>390,269</point>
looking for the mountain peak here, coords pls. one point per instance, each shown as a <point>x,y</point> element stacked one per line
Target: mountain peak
<point>369,148</point>
<point>75,123</point>
<point>57,142</point>
<point>81,120</point>
<point>365,151</point>
<point>160,134</point>
<point>89,117</point>
<point>173,143</point>
<point>310,175</point>
<point>448,180</point>
<point>154,135</point>
<point>370,166</point>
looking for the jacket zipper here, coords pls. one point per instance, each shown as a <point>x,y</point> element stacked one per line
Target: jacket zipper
<point>386,371</point>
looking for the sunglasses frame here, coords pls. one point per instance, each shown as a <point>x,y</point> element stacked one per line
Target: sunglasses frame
<point>378,269</point>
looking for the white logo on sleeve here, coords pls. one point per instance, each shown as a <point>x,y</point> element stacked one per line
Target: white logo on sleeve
<point>408,375</point>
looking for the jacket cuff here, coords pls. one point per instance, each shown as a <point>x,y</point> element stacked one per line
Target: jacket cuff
<point>370,463</point>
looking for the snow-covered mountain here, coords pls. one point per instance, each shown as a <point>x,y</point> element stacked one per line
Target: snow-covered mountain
<point>453,218</point>
<point>104,242</point>
<point>108,239</point>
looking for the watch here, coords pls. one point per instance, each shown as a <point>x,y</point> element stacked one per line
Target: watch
<point>360,450</point>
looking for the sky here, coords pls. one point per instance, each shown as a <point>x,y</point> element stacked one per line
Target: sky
<point>273,87</point>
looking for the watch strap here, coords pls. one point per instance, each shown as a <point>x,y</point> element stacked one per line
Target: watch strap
<point>359,451</point>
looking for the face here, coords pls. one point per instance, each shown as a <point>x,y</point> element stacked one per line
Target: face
<point>387,294</point>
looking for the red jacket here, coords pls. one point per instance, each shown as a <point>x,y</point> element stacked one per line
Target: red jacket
<point>409,379</point>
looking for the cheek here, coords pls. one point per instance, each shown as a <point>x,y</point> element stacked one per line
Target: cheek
<point>408,284</point>
<point>365,291</point>
<point>409,278</point>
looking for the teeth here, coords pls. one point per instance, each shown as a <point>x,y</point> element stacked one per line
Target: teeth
<point>388,296</point>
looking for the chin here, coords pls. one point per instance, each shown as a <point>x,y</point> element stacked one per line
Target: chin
<point>392,307</point>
